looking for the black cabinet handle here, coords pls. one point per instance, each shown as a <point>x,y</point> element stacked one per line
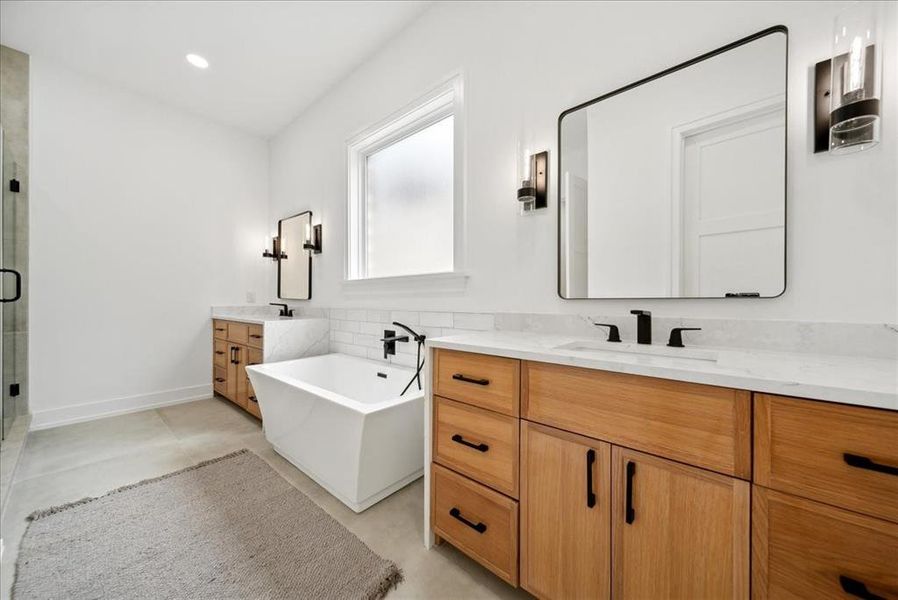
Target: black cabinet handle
<point>460,377</point>
<point>219,352</point>
<point>478,527</point>
<point>253,399</point>
<point>220,379</point>
<point>857,588</point>
<point>255,335</point>
<point>631,471</point>
<point>219,329</point>
<point>18,289</point>
<point>862,462</point>
<point>590,494</point>
<point>458,439</point>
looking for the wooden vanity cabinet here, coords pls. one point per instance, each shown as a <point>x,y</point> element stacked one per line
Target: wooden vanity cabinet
<point>234,346</point>
<point>634,487</point>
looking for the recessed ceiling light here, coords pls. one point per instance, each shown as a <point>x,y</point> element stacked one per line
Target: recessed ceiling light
<point>197,61</point>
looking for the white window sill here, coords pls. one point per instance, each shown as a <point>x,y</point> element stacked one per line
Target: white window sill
<point>430,284</point>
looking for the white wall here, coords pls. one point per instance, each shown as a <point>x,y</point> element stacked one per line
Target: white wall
<point>527,63</point>
<point>142,216</point>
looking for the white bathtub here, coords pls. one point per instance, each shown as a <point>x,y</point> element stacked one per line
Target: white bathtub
<point>341,421</point>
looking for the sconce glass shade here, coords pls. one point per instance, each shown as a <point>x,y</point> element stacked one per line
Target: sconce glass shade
<point>526,193</point>
<point>856,80</point>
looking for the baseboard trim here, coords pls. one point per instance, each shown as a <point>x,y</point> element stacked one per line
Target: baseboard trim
<point>89,411</point>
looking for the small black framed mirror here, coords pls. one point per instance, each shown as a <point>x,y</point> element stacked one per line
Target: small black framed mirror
<point>295,261</point>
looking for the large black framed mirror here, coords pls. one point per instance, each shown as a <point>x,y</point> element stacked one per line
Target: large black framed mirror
<point>675,186</point>
<point>295,262</point>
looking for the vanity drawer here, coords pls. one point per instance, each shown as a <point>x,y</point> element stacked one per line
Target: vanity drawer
<point>220,353</point>
<point>700,425</point>
<point>220,330</point>
<point>842,455</point>
<point>238,332</point>
<point>254,335</point>
<point>487,381</point>
<point>220,380</point>
<point>478,443</point>
<point>804,549</point>
<point>478,521</point>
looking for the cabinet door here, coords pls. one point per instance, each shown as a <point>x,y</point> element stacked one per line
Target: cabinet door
<point>236,374</point>
<point>565,514</point>
<point>677,531</point>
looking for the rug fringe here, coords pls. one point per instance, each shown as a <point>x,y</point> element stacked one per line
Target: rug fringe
<point>46,512</point>
<point>389,582</point>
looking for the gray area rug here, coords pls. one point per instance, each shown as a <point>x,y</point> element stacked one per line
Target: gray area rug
<point>227,528</point>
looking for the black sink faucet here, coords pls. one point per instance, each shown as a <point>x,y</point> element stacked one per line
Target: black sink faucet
<point>286,311</point>
<point>643,326</point>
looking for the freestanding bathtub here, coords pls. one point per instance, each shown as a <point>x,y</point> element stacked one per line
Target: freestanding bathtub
<point>341,421</point>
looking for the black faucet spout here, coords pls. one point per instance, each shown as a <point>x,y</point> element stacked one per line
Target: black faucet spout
<point>286,311</point>
<point>389,339</point>
<point>643,326</point>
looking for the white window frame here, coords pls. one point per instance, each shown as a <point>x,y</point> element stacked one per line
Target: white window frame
<point>440,102</point>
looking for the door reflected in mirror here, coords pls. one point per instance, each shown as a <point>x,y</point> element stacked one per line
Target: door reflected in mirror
<point>295,263</point>
<point>674,187</point>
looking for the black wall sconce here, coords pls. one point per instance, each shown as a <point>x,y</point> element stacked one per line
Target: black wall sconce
<point>847,86</point>
<point>533,175</point>
<point>275,253</point>
<point>313,240</point>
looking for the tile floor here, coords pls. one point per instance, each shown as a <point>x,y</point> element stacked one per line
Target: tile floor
<point>88,459</point>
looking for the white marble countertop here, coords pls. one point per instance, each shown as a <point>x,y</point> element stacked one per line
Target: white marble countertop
<point>850,380</point>
<point>256,319</point>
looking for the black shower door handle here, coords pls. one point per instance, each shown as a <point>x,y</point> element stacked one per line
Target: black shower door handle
<point>18,292</point>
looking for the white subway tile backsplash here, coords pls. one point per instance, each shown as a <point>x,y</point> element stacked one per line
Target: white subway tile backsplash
<point>376,354</point>
<point>374,328</point>
<point>345,337</point>
<point>357,331</point>
<point>435,319</point>
<point>345,325</point>
<point>356,315</point>
<point>447,332</point>
<point>366,340</point>
<point>410,318</point>
<point>378,316</point>
<point>476,321</point>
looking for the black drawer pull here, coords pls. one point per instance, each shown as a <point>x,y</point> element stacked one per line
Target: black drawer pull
<point>460,377</point>
<point>219,329</point>
<point>478,527</point>
<point>220,379</point>
<point>458,439</point>
<point>862,462</point>
<point>254,335</point>
<point>253,399</point>
<point>219,352</point>
<point>631,512</point>
<point>590,494</point>
<point>857,588</point>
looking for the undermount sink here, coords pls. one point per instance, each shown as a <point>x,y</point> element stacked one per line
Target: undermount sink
<point>643,349</point>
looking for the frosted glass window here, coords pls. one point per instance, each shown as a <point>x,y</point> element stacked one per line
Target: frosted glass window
<point>408,204</point>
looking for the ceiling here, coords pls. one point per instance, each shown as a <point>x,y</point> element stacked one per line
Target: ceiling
<point>268,60</point>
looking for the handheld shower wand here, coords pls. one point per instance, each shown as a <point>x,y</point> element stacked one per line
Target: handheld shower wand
<point>419,362</point>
